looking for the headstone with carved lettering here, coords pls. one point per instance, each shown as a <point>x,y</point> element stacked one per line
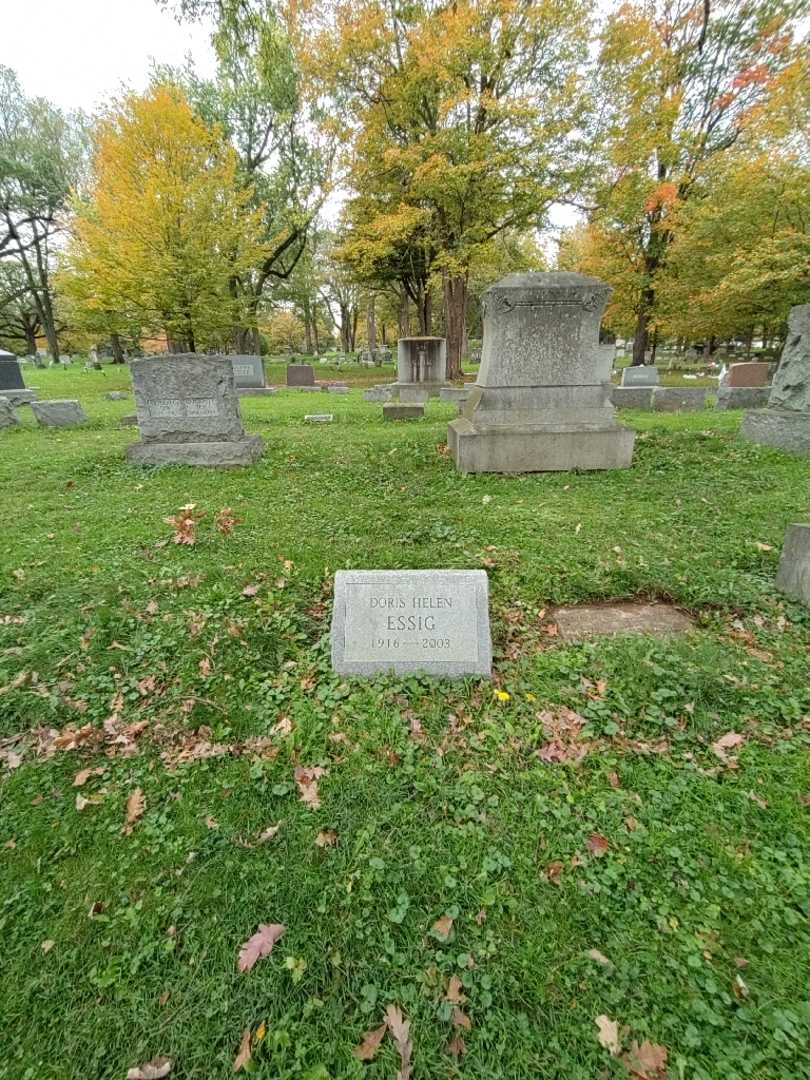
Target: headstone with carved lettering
<point>188,412</point>
<point>542,400</point>
<point>426,622</point>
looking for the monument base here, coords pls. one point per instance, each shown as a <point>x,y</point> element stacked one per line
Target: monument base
<point>781,428</point>
<point>743,397</point>
<point>236,452</point>
<point>19,397</point>
<point>255,391</point>
<point>556,448</point>
<point>632,397</point>
<point>416,393</point>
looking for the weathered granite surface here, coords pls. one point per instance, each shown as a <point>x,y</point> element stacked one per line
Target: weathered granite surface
<point>255,391</point>
<point>640,375</point>
<point>248,371</point>
<point>793,577</point>
<point>742,397</point>
<point>20,397</point>
<point>320,418</point>
<point>378,393</point>
<point>679,398</point>
<point>458,394</point>
<point>62,413</point>
<point>595,620</point>
<point>748,373</point>
<point>542,400</point>
<point>431,622</point>
<point>188,412</point>
<point>421,368</point>
<point>785,423</point>
<point>395,410</point>
<point>8,418</point>
<point>632,397</point>
<point>300,375</point>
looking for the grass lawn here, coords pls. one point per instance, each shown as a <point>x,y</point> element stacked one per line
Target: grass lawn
<point>654,880</point>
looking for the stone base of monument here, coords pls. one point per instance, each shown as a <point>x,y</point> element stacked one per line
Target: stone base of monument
<point>64,413</point>
<point>378,393</point>
<point>783,429</point>
<point>458,394</point>
<point>793,577</point>
<point>415,392</point>
<point>130,420</point>
<point>742,397</point>
<point>255,391</point>
<point>556,448</point>
<point>396,410</point>
<point>678,398</point>
<point>20,397</point>
<point>632,397</point>
<point>233,452</point>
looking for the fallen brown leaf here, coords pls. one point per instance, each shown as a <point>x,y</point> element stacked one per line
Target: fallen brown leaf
<point>725,743</point>
<point>460,1019</point>
<point>455,994</point>
<point>608,1034</point>
<point>457,1047</point>
<point>554,872</point>
<point>307,781</point>
<point>268,834</point>
<point>599,957</point>
<point>646,1062</point>
<point>613,780</point>
<point>250,590</point>
<point>367,1049</point>
<point>47,945</point>
<point>326,838</point>
<point>259,945</point>
<point>443,926</point>
<point>400,1029</point>
<point>136,804</point>
<point>155,1069</point>
<point>598,844</point>
<point>243,1055</point>
<point>81,777</point>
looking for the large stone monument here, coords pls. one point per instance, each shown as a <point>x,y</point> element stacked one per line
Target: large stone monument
<point>11,381</point>
<point>794,566</point>
<point>542,401</point>
<point>785,423</point>
<point>188,412</point>
<point>421,368</point>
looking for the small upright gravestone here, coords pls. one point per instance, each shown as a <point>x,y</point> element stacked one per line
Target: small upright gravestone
<point>188,413</point>
<point>248,376</point>
<point>640,375</point>
<point>785,423</point>
<point>300,375</point>
<point>402,410</point>
<point>429,622</point>
<point>542,400</point>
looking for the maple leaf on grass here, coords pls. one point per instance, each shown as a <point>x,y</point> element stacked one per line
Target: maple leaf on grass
<point>460,1019</point>
<point>259,945</point>
<point>155,1069</point>
<point>225,521</point>
<point>455,995</point>
<point>726,742</point>
<point>457,1047</point>
<point>367,1049</point>
<point>326,838</point>
<point>400,1029</point>
<point>608,1034</point>
<point>243,1055</point>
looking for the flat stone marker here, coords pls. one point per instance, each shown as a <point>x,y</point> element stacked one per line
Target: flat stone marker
<point>130,420</point>
<point>394,410</point>
<point>748,373</point>
<point>793,577</point>
<point>431,622</point>
<point>66,413</point>
<point>378,393</point>
<point>188,412</point>
<point>8,418</point>
<point>320,418</point>
<point>640,375</point>
<point>117,395</point>
<point>300,375</point>
<point>597,620</point>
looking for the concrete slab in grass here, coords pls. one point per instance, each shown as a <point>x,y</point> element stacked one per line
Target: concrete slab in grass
<point>607,620</point>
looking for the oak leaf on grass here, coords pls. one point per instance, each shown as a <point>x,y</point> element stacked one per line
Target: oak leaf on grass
<point>243,1054</point>
<point>400,1029</point>
<point>259,944</point>
<point>367,1049</point>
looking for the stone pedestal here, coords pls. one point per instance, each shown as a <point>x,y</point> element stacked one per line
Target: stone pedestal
<point>542,401</point>
<point>632,397</point>
<point>20,397</point>
<point>793,577</point>
<point>188,413</point>
<point>785,423</point>
<point>421,368</point>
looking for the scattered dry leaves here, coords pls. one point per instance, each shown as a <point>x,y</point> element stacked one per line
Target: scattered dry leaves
<point>443,927</point>
<point>646,1062</point>
<point>326,838</point>
<point>225,521</point>
<point>597,844</point>
<point>729,741</point>
<point>457,1047</point>
<point>184,523</point>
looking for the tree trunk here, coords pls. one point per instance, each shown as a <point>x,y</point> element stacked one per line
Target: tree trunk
<point>316,339</point>
<point>425,311</point>
<point>642,334</point>
<point>117,351</point>
<point>455,316</point>
<point>307,327</point>
<point>404,313</point>
<point>371,325</point>
<point>30,329</point>
<point>353,330</point>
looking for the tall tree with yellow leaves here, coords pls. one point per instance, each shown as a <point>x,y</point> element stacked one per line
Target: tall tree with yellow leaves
<point>165,228</point>
<point>460,121</point>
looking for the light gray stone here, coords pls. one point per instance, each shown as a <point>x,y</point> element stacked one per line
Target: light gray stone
<point>793,577</point>
<point>742,397</point>
<point>415,394</point>
<point>308,389</point>
<point>248,371</point>
<point>63,413</point>
<point>338,389</point>
<point>320,418</point>
<point>640,375</point>
<point>117,395</point>
<point>8,418</point>
<point>679,398</point>
<point>421,368</point>
<point>300,375</point>
<point>791,383</point>
<point>378,393</point>
<point>542,401</point>
<point>188,412</point>
<point>783,429</point>
<point>21,397</point>
<point>430,622</point>
<point>632,397</point>
<point>255,391</point>
<point>395,410</point>
<point>458,394</point>
<point>597,620</point>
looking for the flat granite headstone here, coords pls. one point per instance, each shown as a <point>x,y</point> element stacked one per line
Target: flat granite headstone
<point>300,375</point>
<point>542,400</point>
<point>378,393</point>
<point>785,423</point>
<point>596,620</point>
<point>248,371</point>
<point>396,410</point>
<point>54,413</point>
<point>188,412</point>
<point>431,622</point>
<point>640,375</point>
<point>320,418</point>
<point>793,577</point>
<point>8,418</point>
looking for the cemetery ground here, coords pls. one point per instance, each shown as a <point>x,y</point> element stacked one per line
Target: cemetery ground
<point>594,866</point>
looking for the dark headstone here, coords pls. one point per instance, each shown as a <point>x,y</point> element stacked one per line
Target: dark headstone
<point>300,375</point>
<point>10,374</point>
